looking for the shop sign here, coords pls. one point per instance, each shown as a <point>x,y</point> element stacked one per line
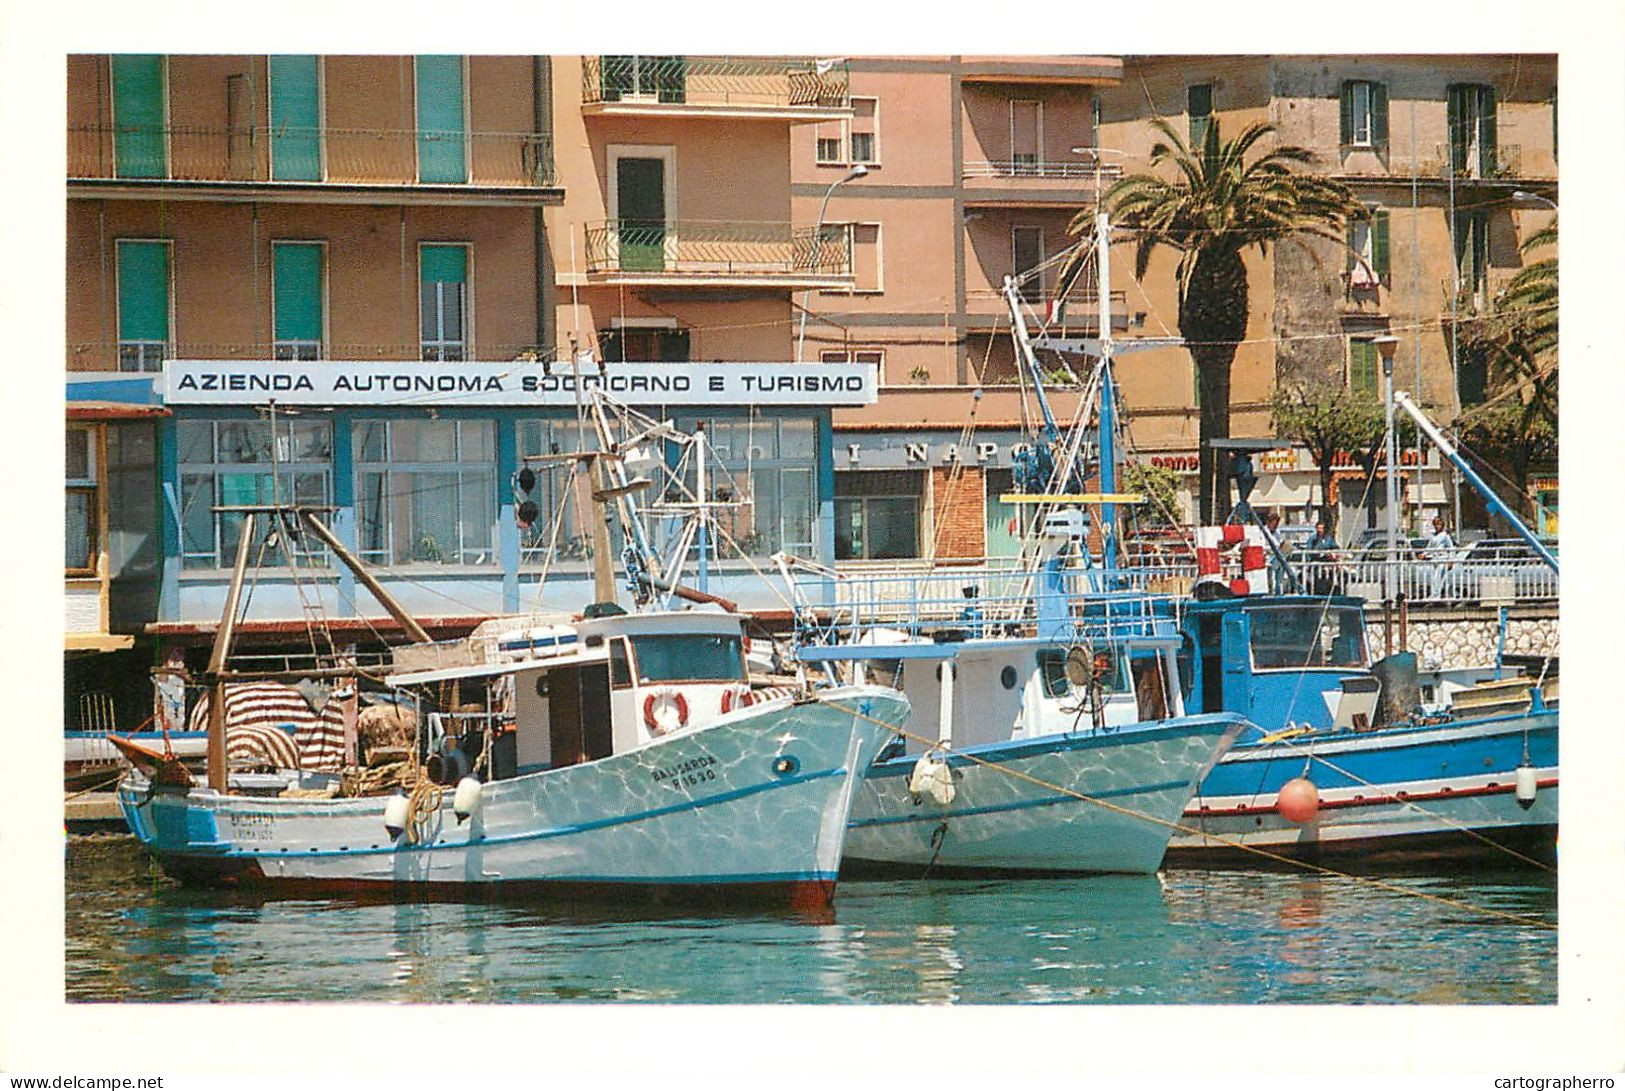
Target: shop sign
<point>514,384</point>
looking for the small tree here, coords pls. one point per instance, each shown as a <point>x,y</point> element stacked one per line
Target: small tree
<point>1161,488</point>
<point>1329,419</point>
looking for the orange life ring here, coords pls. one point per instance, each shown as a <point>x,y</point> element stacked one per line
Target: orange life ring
<point>743,695</point>
<point>678,702</point>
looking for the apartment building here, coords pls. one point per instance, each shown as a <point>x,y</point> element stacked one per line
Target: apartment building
<point>355,282</point>
<point>977,164</point>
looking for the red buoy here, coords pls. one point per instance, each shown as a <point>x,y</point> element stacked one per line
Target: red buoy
<point>1298,800</point>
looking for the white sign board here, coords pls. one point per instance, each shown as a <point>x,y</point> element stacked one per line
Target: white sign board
<point>514,384</point>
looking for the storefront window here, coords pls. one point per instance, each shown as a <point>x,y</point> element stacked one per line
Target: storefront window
<point>557,523</point>
<point>877,514</point>
<point>229,463</point>
<point>81,546</point>
<point>426,491</point>
<point>764,466</point>
<point>1004,522</point>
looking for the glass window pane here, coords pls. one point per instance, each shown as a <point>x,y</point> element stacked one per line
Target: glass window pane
<point>368,438</point>
<point>796,439</point>
<point>688,658</point>
<point>79,530</point>
<point>244,441</point>
<point>797,517</point>
<point>479,441</point>
<point>197,521</point>
<point>371,504</point>
<point>848,529</point>
<point>423,441</point>
<point>194,441</point>
<point>893,533</point>
<point>77,467</point>
<point>431,499</point>
<point>478,518</point>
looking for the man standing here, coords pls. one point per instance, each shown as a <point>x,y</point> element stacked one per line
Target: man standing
<point>1321,554</point>
<point>1272,540</point>
<point>1440,549</point>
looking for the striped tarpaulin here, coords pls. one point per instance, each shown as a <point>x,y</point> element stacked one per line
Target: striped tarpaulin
<point>268,723</point>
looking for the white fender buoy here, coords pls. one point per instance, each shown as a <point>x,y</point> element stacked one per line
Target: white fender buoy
<point>395,814</point>
<point>1524,786</point>
<point>932,777</point>
<point>466,800</point>
<point>1298,800</point>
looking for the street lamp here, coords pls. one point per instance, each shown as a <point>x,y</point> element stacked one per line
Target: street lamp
<point>1525,195</point>
<point>857,171</point>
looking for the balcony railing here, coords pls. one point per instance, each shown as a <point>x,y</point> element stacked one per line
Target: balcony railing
<point>1083,172</point>
<point>715,248</point>
<point>758,82</point>
<point>331,156</point>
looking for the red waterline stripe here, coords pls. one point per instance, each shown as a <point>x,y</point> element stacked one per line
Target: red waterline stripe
<point>1372,801</point>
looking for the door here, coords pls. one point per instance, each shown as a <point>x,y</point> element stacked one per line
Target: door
<point>640,204</point>
<point>1027,247</point>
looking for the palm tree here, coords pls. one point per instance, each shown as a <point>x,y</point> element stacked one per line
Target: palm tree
<point>1218,206</point>
<point>1528,312</point>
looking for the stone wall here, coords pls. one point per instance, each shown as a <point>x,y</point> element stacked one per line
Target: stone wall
<point>1467,638</point>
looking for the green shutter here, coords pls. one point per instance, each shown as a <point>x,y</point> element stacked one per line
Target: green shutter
<point>1345,122</point>
<point>443,264</point>
<point>297,287</point>
<point>143,291</point>
<point>440,120</point>
<point>1362,367</point>
<point>1456,122</point>
<point>138,116</point>
<point>1379,114</point>
<point>1488,159</point>
<point>1351,245</point>
<point>1199,105</point>
<point>1379,243</point>
<point>296,124</point>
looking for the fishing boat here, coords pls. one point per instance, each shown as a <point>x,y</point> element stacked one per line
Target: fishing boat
<point>613,756</point>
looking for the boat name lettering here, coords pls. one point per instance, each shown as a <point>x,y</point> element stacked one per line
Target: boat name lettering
<point>252,827</point>
<point>688,772</point>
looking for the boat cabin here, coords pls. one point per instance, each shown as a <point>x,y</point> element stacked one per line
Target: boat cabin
<point>1276,659</point>
<point>563,693</point>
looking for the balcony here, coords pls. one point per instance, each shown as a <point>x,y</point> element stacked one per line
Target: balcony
<point>985,309</point>
<point>325,165</point>
<point>770,88</point>
<point>716,253</point>
<point>1031,184</point>
<point>1078,71</point>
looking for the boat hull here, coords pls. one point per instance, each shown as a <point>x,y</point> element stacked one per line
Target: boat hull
<point>1411,795</point>
<point>749,809</point>
<point>1016,808</point>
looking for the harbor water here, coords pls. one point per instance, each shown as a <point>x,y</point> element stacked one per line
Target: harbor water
<point>1184,937</point>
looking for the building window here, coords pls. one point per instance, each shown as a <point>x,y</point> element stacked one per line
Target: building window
<point>1005,523</point>
<point>1471,230</point>
<point>140,133</point>
<point>660,79</point>
<point>143,303</point>
<point>426,491</point>
<point>296,118</point>
<point>1199,105</point>
<point>1026,136</point>
<point>443,301</point>
<point>83,542</point>
<point>864,130</point>
<point>764,465</point>
<point>227,463</point>
<point>877,357</point>
<point>1365,364</point>
<point>633,345</point>
<point>1364,114</point>
<point>1368,250</point>
<point>297,289</point>
<point>827,144</point>
<point>1471,117</point>
<point>877,514</point>
<point>862,241</point>
<point>554,493</point>
<point>441,120</point>
<point>1026,254</point>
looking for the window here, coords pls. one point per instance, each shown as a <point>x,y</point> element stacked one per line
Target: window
<point>1471,229</point>
<point>662,79</point>
<point>1294,637</point>
<point>296,299</point>
<point>1368,250</point>
<point>1365,364</point>
<point>1363,114</point>
<point>865,130</point>
<point>717,658</point>
<point>877,514</point>
<point>1199,105</point>
<point>555,494</point>
<point>828,143</point>
<point>877,357</point>
<point>1027,253</point>
<point>82,544</point>
<point>638,345</point>
<point>229,462</point>
<point>140,138</point>
<point>1471,117</point>
<point>766,465</point>
<point>1004,523</point>
<point>143,303</point>
<point>443,301</point>
<point>862,241</point>
<point>426,491</point>
<point>296,118</point>
<point>1026,136</point>
<point>441,121</point>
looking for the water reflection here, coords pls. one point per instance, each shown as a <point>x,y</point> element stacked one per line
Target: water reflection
<point>1193,938</point>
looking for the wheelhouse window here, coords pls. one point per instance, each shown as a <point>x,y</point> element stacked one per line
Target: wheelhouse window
<point>688,658</point>
<point>229,463</point>
<point>426,491</point>
<point>443,301</point>
<point>1295,637</point>
<point>82,541</point>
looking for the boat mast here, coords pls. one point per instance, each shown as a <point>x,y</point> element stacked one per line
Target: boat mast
<point>1108,406</point>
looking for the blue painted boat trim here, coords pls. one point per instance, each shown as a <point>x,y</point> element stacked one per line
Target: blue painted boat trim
<point>1047,801</point>
<point>1216,723</point>
<point>533,835</point>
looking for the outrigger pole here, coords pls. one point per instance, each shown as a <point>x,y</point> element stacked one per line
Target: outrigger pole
<point>1427,427</point>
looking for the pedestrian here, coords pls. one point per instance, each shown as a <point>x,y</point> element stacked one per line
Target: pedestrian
<point>1441,550</point>
<point>1272,540</point>
<point>1321,554</point>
